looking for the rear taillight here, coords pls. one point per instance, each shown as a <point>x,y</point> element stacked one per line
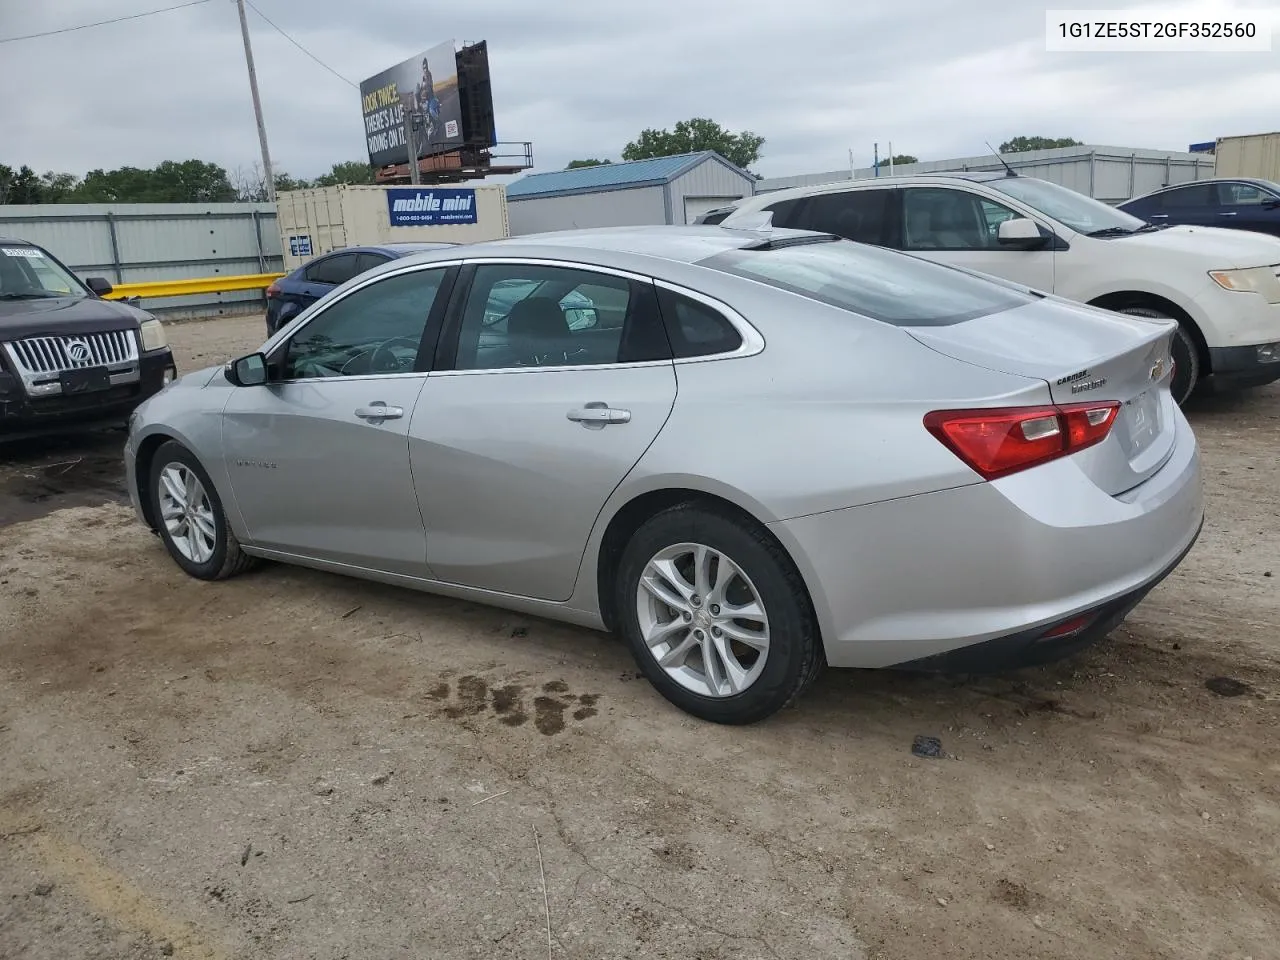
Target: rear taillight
<point>999,441</point>
<point>273,291</point>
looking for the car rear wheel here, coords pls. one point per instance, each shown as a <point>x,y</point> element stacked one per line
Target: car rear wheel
<point>190,517</point>
<point>1186,357</point>
<point>717,616</point>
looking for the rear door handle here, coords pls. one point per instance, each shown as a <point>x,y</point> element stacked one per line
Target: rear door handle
<point>379,411</point>
<point>1229,213</point>
<point>1158,216</point>
<point>597,415</point>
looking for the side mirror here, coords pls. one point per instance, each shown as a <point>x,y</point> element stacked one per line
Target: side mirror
<point>581,318</point>
<point>1019,232</point>
<point>99,285</point>
<point>250,371</point>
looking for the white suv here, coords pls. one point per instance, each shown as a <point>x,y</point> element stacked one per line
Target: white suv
<point>1222,286</point>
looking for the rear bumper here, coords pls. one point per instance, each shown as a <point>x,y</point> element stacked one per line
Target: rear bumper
<point>1235,368</point>
<point>1046,643</point>
<point>910,579</point>
<point>22,416</point>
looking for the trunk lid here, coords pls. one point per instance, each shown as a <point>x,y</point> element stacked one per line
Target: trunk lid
<point>1085,355</point>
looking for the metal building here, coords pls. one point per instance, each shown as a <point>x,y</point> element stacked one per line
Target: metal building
<point>1109,174</point>
<point>662,190</point>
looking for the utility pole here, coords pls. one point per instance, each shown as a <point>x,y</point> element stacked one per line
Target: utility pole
<point>411,119</point>
<point>257,105</point>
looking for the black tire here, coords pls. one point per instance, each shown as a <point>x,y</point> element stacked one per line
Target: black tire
<point>226,559</point>
<point>795,656</point>
<point>1186,355</point>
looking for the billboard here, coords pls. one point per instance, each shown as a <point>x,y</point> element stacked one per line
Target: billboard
<point>427,84</point>
<point>419,207</point>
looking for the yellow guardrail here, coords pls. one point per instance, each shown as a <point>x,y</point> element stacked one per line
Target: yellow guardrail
<point>186,288</point>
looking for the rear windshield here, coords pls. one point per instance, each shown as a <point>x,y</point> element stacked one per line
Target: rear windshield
<point>887,286</point>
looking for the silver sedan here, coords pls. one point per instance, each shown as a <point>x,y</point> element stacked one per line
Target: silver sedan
<point>749,452</point>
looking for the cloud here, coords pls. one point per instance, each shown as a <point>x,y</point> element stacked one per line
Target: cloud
<point>816,78</point>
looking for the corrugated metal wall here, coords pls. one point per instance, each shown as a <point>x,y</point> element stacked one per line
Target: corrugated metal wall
<point>139,242</point>
<point>608,208</point>
<point>1110,174</point>
<point>708,179</point>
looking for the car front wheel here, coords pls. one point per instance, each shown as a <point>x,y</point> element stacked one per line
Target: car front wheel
<point>190,517</point>
<point>716,615</point>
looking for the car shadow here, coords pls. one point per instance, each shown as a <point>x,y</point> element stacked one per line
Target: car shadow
<point>41,475</point>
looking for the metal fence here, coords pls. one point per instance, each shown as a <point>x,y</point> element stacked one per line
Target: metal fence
<point>149,242</point>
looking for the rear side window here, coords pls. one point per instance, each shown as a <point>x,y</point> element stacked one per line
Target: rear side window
<point>1200,195</point>
<point>891,287</point>
<point>855,215</point>
<point>696,330</point>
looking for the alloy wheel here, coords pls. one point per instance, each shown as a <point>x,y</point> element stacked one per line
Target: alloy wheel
<point>702,620</point>
<point>187,513</point>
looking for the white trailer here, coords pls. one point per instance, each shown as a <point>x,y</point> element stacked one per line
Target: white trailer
<point>316,221</point>
<point>1257,155</point>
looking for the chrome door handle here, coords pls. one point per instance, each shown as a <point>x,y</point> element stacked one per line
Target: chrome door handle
<point>596,415</point>
<point>379,411</point>
<point>1229,213</point>
<point>1158,216</point>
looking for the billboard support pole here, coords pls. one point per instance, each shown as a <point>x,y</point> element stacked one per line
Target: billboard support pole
<point>411,145</point>
<point>257,105</point>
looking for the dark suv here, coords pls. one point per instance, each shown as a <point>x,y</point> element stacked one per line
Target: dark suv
<point>68,358</point>
<point>1241,203</point>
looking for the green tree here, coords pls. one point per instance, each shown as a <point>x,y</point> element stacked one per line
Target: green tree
<point>1023,144</point>
<point>347,172</point>
<point>57,187</point>
<point>692,136</point>
<point>902,159</point>
<point>590,162</point>
<point>19,186</point>
<point>286,182</point>
<point>187,181</point>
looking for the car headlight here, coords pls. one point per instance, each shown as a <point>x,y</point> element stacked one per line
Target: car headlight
<point>153,336</point>
<point>1240,281</point>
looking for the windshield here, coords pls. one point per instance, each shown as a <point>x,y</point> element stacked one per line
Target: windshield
<point>1075,210</point>
<point>890,287</point>
<point>27,273</point>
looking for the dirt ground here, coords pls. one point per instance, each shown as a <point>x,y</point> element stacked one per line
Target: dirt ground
<point>294,765</point>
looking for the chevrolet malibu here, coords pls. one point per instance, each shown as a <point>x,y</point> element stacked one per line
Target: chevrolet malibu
<point>757,452</point>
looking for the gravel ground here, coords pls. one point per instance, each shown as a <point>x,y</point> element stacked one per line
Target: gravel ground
<point>293,765</point>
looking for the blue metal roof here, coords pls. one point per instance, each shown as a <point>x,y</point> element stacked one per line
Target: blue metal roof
<point>610,176</point>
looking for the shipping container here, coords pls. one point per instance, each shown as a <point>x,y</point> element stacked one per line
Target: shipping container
<point>1257,155</point>
<point>317,221</point>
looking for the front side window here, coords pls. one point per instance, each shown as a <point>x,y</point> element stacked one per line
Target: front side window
<point>1242,195</point>
<point>1075,210</point>
<point>857,215</point>
<point>26,273</point>
<point>375,330</point>
<point>529,315</point>
<point>941,219</point>
<point>367,261</point>
<point>873,282</point>
<point>334,270</point>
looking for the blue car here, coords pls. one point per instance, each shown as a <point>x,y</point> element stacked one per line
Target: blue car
<point>294,292</point>
<point>1243,203</point>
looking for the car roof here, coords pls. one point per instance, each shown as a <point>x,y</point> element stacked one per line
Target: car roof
<point>1255,181</point>
<point>835,186</point>
<point>678,244</point>
<point>17,240</point>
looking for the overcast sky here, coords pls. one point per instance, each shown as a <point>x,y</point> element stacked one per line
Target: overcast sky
<point>814,77</point>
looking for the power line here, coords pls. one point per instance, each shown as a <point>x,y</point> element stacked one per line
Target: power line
<point>300,46</point>
<point>102,23</point>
